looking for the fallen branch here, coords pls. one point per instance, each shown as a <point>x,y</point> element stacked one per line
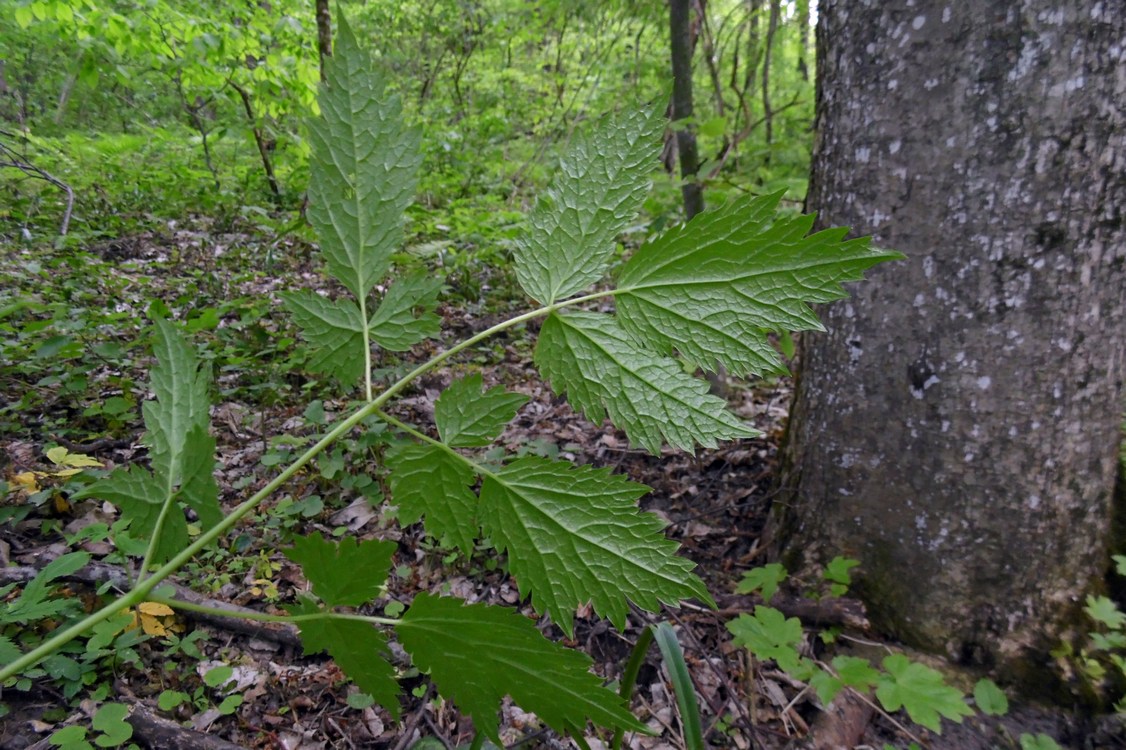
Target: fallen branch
<point>848,613</point>
<point>98,573</point>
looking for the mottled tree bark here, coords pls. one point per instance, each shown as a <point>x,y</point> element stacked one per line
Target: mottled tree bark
<point>680,33</point>
<point>956,429</point>
<point>324,34</point>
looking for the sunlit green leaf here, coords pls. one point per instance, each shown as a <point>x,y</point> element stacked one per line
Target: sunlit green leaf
<point>427,482</point>
<point>602,370</point>
<point>921,691</point>
<point>713,288</point>
<point>600,185</point>
<point>466,417</point>
<point>574,534</point>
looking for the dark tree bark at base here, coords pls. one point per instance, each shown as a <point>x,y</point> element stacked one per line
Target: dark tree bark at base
<point>957,428</point>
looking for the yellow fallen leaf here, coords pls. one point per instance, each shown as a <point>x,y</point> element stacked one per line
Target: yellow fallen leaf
<point>60,456</point>
<point>27,480</point>
<point>155,609</point>
<point>155,618</point>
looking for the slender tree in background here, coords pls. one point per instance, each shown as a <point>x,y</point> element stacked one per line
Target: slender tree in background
<point>324,33</point>
<point>680,28</point>
<point>958,428</point>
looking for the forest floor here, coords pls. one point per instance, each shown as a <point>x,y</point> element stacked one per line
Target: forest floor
<point>716,504</point>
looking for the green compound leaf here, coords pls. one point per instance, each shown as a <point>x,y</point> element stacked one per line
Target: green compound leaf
<point>363,168</point>
<point>856,672</point>
<point>477,654</point>
<point>180,385</point>
<point>574,534</point>
<point>920,690</point>
<point>1103,609</point>
<point>110,721</point>
<point>468,418</point>
<point>765,580</point>
<point>334,330</point>
<point>357,648</point>
<point>140,496</point>
<point>602,370</point>
<point>990,699</point>
<point>769,635</point>
<point>406,314</point>
<point>711,289</point>
<point>602,181</point>
<point>427,482</point>
<point>344,573</point>
<point>35,602</point>
<point>182,450</point>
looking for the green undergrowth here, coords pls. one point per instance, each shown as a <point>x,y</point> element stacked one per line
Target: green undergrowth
<point>827,662</point>
<point>695,297</point>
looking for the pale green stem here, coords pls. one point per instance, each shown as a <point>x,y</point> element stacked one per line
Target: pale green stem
<point>423,437</point>
<point>158,529</point>
<point>367,346</point>
<point>141,590</point>
<point>263,617</point>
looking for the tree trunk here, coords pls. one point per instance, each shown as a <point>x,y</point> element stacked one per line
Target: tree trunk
<point>956,430</point>
<point>680,28</point>
<point>324,34</point>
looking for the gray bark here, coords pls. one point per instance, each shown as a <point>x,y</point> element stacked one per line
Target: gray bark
<point>956,430</point>
<point>681,44</point>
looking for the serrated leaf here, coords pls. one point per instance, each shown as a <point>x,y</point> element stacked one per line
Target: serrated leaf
<point>1103,609</point>
<point>357,648</point>
<point>110,721</point>
<point>362,169</point>
<point>427,482</point>
<point>35,602</point>
<point>477,654</point>
<point>825,685</point>
<point>468,418</point>
<point>334,330</point>
<point>181,450</point>
<point>574,534</point>
<point>768,634</point>
<point>600,185</point>
<point>344,572</point>
<point>199,490</point>
<point>764,579</point>
<point>856,672</point>
<point>990,699</point>
<point>9,652</point>
<point>406,315</point>
<point>180,385</point>
<point>713,288</point>
<point>920,690</point>
<point>602,370</point>
<point>140,495</point>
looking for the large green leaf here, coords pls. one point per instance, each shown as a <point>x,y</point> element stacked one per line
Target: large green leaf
<point>344,573</point>
<point>602,370</point>
<point>334,330</point>
<point>182,450</point>
<point>467,418</point>
<point>601,183</point>
<point>180,385</point>
<point>712,289</point>
<point>427,482</point>
<point>356,646</point>
<point>477,654</point>
<point>35,602</point>
<point>363,169</point>
<point>574,534</point>
<point>921,691</point>
<point>406,314</point>
<point>140,496</point>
